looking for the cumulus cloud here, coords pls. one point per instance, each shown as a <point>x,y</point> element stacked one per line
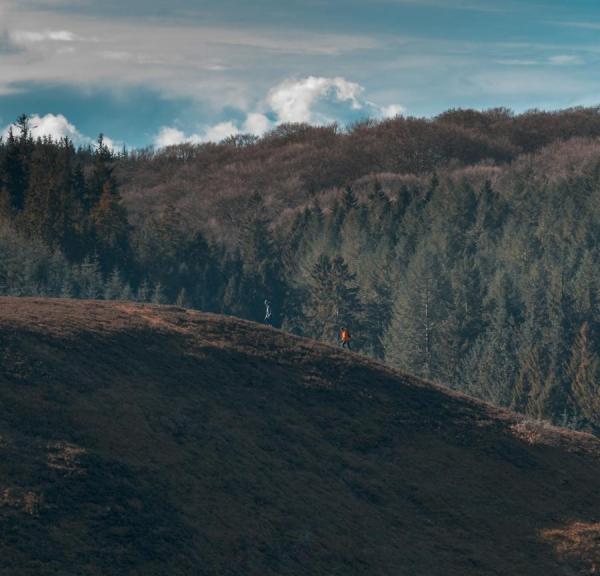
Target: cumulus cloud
<point>221,131</point>
<point>294,100</point>
<point>392,111</point>
<point>57,126</point>
<point>312,100</point>
<point>169,136</point>
<point>257,124</point>
<point>316,100</point>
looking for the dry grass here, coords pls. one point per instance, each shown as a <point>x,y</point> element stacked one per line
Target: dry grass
<point>143,440</point>
<point>578,543</point>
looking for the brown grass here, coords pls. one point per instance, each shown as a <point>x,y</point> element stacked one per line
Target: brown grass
<point>147,440</point>
<point>578,543</point>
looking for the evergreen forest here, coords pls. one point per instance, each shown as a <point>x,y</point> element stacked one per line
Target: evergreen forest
<point>463,249</point>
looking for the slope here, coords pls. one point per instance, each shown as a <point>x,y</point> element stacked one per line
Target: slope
<point>146,440</point>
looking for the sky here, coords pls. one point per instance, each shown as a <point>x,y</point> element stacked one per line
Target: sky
<point>162,72</point>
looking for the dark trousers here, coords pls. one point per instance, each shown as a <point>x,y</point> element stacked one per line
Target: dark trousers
<point>346,344</point>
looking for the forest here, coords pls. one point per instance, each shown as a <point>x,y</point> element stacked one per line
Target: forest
<point>461,248</point>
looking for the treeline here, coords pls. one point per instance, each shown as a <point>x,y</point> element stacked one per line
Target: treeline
<point>65,231</point>
<point>475,268</point>
<point>296,163</point>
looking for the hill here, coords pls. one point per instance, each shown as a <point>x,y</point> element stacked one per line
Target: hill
<point>462,248</point>
<point>143,440</point>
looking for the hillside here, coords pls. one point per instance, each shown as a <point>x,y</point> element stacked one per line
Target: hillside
<point>146,440</point>
<point>461,249</point>
<point>295,164</point>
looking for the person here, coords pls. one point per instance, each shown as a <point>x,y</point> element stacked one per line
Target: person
<point>268,312</point>
<point>345,338</point>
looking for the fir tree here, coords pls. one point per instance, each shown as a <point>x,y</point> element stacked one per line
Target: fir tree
<point>113,288</point>
<point>333,300</point>
<point>584,376</point>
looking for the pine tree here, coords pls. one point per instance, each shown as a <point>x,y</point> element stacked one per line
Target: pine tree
<point>182,300</point>
<point>333,300</point>
<point>50,212</point>
<point>111,228</point>
<point>14,169</point>
<point>114,286</point>
<point>420,337</point>
<point>90,278</point>
<point>261,274</point>
<point>157,294</point>
<point>143,292</point>
<point>67,290</point>
<point>126,292</point>
<point>529,392</point>
<point>584,376</point>
<point>492,366</point>
<point>101,178</point>
<point>349,201</point>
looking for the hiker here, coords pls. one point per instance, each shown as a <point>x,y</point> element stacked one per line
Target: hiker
<point>345,338</point>
<point>268,312</point>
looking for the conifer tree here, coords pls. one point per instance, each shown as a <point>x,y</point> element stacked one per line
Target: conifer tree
<point>111,228</point>
<point>261,278</point>
<point>14,170</point>
<point>584,375</point>
<point>529,393</point>
<point>333,300</point>
<point>101,177</point>
<point>182,300</point>
<point>143,292</point>
<point>89,278</point>
<point>114,286</point>
<point>419,335</point>
<point>157,294</point>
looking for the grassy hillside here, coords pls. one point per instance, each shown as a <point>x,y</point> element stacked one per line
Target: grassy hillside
<point>147,440</point>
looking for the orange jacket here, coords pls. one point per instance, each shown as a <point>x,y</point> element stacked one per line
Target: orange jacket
<point>345,335</point>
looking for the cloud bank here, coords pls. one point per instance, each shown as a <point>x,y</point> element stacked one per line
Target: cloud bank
<point>312,100</point>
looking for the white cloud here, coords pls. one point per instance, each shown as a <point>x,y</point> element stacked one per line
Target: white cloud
<point>257,124</point>
<point>222,65</point>
<point>301,100</point>
<point>29,37</point>
<point>220,132</point>
<point>392,111</point>
<point>57,126</point>
<point>564,59</point>
<point>169,136</point>
<point>294,100</point>
<point>289,101</point>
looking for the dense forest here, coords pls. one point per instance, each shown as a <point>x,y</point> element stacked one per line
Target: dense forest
<point>462,248</point>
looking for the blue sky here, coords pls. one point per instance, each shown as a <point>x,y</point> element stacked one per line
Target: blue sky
<point>158,72</point>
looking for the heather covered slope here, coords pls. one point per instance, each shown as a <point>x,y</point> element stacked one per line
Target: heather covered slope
<point>154,440</point>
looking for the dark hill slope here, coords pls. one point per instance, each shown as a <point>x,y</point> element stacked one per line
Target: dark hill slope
<point>143,440</point>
